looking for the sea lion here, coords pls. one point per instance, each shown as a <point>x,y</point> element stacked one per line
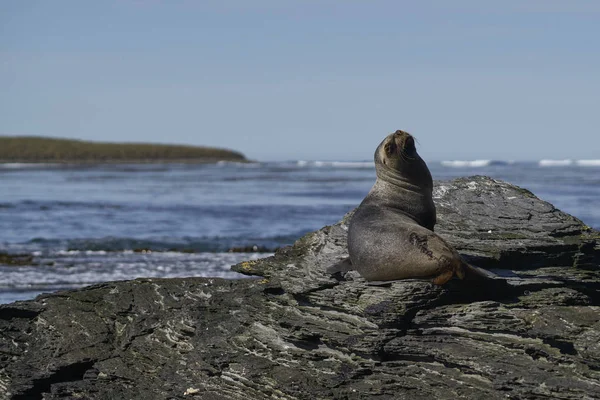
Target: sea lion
<point>391,236</point>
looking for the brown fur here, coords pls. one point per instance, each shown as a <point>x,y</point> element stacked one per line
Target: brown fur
<point>391,233</point>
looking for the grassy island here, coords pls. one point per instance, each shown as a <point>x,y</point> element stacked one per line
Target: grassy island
<point>39,149</point>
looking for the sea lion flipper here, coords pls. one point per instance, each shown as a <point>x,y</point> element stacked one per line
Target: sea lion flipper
<point>342,266</point>
<point>443,278</point>
<point>384,283</point>
<point>472,272</point>
<point>389,283</point>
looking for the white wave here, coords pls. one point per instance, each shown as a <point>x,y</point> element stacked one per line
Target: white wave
<point>68,252</point>
<point>76,252</point>
<point>555,163</point>
<point>25,165</point>
<point>336,164</point>
<point>353,164</point>
<point>53,277</point>
<point>588,163</point>
<point>245,164</point>
<point>473,163</point>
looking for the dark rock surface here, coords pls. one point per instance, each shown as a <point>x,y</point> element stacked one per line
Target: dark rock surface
<point>251,249</point>
<point>296,333</point>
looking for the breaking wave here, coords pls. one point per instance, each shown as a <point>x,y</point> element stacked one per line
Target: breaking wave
<point>569,162</point>
<point>336,164</point>
<point>588,163</point>
<point>555,163</point>
<point>11,166</point>
<point>474,163</point>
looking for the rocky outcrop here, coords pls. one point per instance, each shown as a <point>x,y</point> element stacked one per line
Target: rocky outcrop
<point>297,333</point>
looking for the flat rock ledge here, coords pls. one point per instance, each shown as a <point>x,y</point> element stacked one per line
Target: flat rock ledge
<point>296,333</point>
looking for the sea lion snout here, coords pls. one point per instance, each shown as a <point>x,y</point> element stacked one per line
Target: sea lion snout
<point>409,143</point>
<point>400,133</point>
<point>397,145</point>
<point>404,140</point>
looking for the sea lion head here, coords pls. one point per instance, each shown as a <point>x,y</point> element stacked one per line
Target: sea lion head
<point>396,151</point>
<point>397,162</point>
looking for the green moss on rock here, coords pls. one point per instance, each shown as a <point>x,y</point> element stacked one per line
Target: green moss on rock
<point>38,149</point>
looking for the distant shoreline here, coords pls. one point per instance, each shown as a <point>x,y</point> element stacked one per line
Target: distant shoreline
<point>40,150</point>
<point>124,161</point>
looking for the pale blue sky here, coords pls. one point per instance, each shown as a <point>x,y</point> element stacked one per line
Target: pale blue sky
<point>326,79</point>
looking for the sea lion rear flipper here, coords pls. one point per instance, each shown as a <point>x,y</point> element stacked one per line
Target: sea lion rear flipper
<point>343,266</point>
<point>389,283</point>
<point>472,272</point>
<point>443,278</point>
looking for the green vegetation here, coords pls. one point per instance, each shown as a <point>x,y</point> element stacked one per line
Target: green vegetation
<point>38,149</point>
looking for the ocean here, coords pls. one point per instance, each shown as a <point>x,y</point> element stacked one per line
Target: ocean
<point>71,225</point>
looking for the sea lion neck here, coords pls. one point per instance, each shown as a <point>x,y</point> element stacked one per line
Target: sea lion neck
<point>403,179</point>
<point>405,198</point>
<point>407,191</point>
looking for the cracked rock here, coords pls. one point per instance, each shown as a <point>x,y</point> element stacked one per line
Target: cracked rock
<point>298,333</point>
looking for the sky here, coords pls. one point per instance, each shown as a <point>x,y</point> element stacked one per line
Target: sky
<point>311,79</point>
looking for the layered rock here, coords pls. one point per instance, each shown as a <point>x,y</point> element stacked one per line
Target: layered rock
<point>295,332</point>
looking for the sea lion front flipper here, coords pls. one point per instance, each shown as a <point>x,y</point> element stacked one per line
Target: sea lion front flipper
<point>343,266</point>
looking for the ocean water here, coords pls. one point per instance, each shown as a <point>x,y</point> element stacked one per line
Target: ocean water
<point>79,225</point>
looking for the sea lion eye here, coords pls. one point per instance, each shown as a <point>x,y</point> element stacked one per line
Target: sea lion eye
<point>389,148</point>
